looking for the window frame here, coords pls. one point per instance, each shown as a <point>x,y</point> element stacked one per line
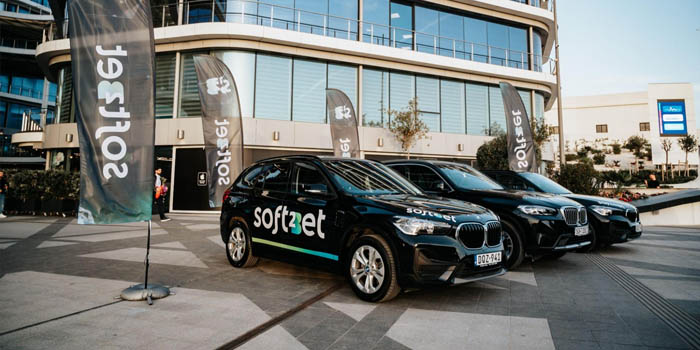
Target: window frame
<point>601,128</point>
<point>330,193</point>
<point>448,188</point>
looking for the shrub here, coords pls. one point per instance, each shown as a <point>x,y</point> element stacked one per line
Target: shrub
<point>570,157</point>
<point>493,155</point>
<point>599,158</point>
<point>616,148</point>
<point>579,178</point>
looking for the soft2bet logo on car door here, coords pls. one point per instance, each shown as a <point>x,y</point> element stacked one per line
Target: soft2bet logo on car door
<point>290,221</point>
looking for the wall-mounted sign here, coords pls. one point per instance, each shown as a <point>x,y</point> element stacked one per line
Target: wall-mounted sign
<point>202,178</point>
<point>672,118</point>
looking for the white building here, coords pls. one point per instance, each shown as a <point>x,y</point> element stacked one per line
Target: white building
<point>602,120</point>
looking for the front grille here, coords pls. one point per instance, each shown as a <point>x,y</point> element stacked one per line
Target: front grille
<point>582,218</point>
<point>632,215</point>
<point>574,216</point>
<point>471,235</point>
<point>493,236</point>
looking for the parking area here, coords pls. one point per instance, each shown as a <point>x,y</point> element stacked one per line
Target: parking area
<point>59,280</point>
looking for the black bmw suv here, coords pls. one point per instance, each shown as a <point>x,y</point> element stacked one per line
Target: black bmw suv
<point>612,221</point>
<point>534,224</point>
<point>384,233</point>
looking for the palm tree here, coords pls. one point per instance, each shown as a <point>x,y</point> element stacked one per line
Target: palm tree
<point>688,143</point>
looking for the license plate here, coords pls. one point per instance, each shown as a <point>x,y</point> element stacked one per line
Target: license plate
<point>638,228</point>
<point>581,231</point>
<point>487,259</point>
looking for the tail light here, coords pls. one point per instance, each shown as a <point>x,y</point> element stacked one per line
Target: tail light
<point>227,193</point>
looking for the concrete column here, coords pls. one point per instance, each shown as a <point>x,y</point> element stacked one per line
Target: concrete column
<point>44,103</point>
<point>531,49</point>
<point>176,88</point>
<point>360,18</point>
<point>358,108</point>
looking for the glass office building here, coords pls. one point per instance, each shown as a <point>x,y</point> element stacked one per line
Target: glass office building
<point>449,55</point>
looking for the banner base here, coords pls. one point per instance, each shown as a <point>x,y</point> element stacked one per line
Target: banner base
<point>138,292</point>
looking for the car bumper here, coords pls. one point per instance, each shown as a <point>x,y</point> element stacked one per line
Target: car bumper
<point>546,236</point>
<point>444,260</point>
<point>616,229</point>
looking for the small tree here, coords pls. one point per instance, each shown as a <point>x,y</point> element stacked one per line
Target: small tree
<point>493,155</point>
<point>616,148</point>
<point>666,145</point>
<point>579,178</point>
<point>636,145</point>
<point>688,143</point>
<point>407,126</point>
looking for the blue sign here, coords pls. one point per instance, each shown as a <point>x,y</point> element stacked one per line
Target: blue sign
<point>672,118</point>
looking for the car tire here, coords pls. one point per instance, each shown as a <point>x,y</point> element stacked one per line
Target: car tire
<point>239,249</point>
<point>512,237</point>
<point>594,241</point>
<point>371,269</point>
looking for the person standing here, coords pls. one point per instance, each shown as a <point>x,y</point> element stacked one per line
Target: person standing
<point>652,183</point>
<point>159,196</point>
<point>4,187</point>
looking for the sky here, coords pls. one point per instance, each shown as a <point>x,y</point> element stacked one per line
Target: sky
<point>614,46</point>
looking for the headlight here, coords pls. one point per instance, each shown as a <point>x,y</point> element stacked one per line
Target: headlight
<point>537,210</point>
<point>414,226</point>
<point>605,211</point>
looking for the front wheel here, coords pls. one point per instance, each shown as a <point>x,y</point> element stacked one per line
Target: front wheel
<point>371,269</point>
<point>239,249</point>
<point>512,246</point>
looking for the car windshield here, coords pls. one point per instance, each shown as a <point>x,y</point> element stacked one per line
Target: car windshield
<point>468,178</point>
<point>544,184</point>
<point>368,178</point>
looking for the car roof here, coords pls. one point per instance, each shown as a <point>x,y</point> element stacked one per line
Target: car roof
<point>419,161</point>
<point>309,157</point>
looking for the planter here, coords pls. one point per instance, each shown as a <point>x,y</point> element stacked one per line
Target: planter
<point>30,206</point>
<point>50,206</point>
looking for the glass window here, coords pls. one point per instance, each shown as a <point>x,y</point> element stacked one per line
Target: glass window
<point>249,11</point>
<point>537,47</point>
<point>190,105</point>
<point>368,178</point>
<point>248,180</point>
<point>309,89</point>
<point>401,90</point>
<point>276,178</point>
<point>498,43</point>
<point>312,17</point>
<point>52,91</point>
<point>278,13</point>
<point>475,32</point>
<point>308,180</point>
<point>601,128</point>
<point>517,56</point>
<point>165,85</point>
<point>452,104</point>
<point>428,95</point>
<point>539,105</point>
<point>273,83</point>
<point>375,96</point>
<point>425,178</point>
<point>525,96</point>
<point>343,16</point>
<point>644,126</point>
<point>344,78</point>
<point>427,30</point>
<point>468,178</point>
<point>4,83</point>
<point>452,35</point>
<point>242,67</point>
<point>545,184</point>
<point>497,114</point>
<point>402,25</point>
<point>375,14</point>
<point>3,113</point>
<point>477,109</point>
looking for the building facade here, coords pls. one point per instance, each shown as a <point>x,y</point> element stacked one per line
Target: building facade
<point>449,54</point>
<point>26,96</point>
<point>663,112</point>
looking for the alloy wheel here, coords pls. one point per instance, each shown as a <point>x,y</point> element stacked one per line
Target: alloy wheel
<point>507,244</point>
<point>236,244</point>
<point>367,269</point>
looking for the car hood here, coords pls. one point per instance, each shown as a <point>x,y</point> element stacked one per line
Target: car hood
<point>528,198</point>
<point>433,208</point>
<point>595,200</point>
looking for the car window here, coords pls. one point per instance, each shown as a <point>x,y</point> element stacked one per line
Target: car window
<point>468,178</point>
<point>276,177</point>
<point>248,180</point>
<point>425,178</point>
<point>513,182</point>
<point>308,180</point>
<point>368,178</point>
<point>545,184</point>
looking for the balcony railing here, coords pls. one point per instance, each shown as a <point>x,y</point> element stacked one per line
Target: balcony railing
<point>543,4</point>
<point>276,16</point>
<point>31,122</point>
<point>19,43</point>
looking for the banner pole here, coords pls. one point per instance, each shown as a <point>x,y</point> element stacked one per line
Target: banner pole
<point>148,251</point>
<point>146,291</point>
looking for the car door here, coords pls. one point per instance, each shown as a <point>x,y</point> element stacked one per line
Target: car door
<point>312,209</point>
<point>268,201</point>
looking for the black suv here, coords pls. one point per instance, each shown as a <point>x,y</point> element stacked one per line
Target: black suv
<point>612,221</point>
<point>534,224</point>
<point>384,233</point>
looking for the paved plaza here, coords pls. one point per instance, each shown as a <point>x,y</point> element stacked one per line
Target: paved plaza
<point>59,280</point>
